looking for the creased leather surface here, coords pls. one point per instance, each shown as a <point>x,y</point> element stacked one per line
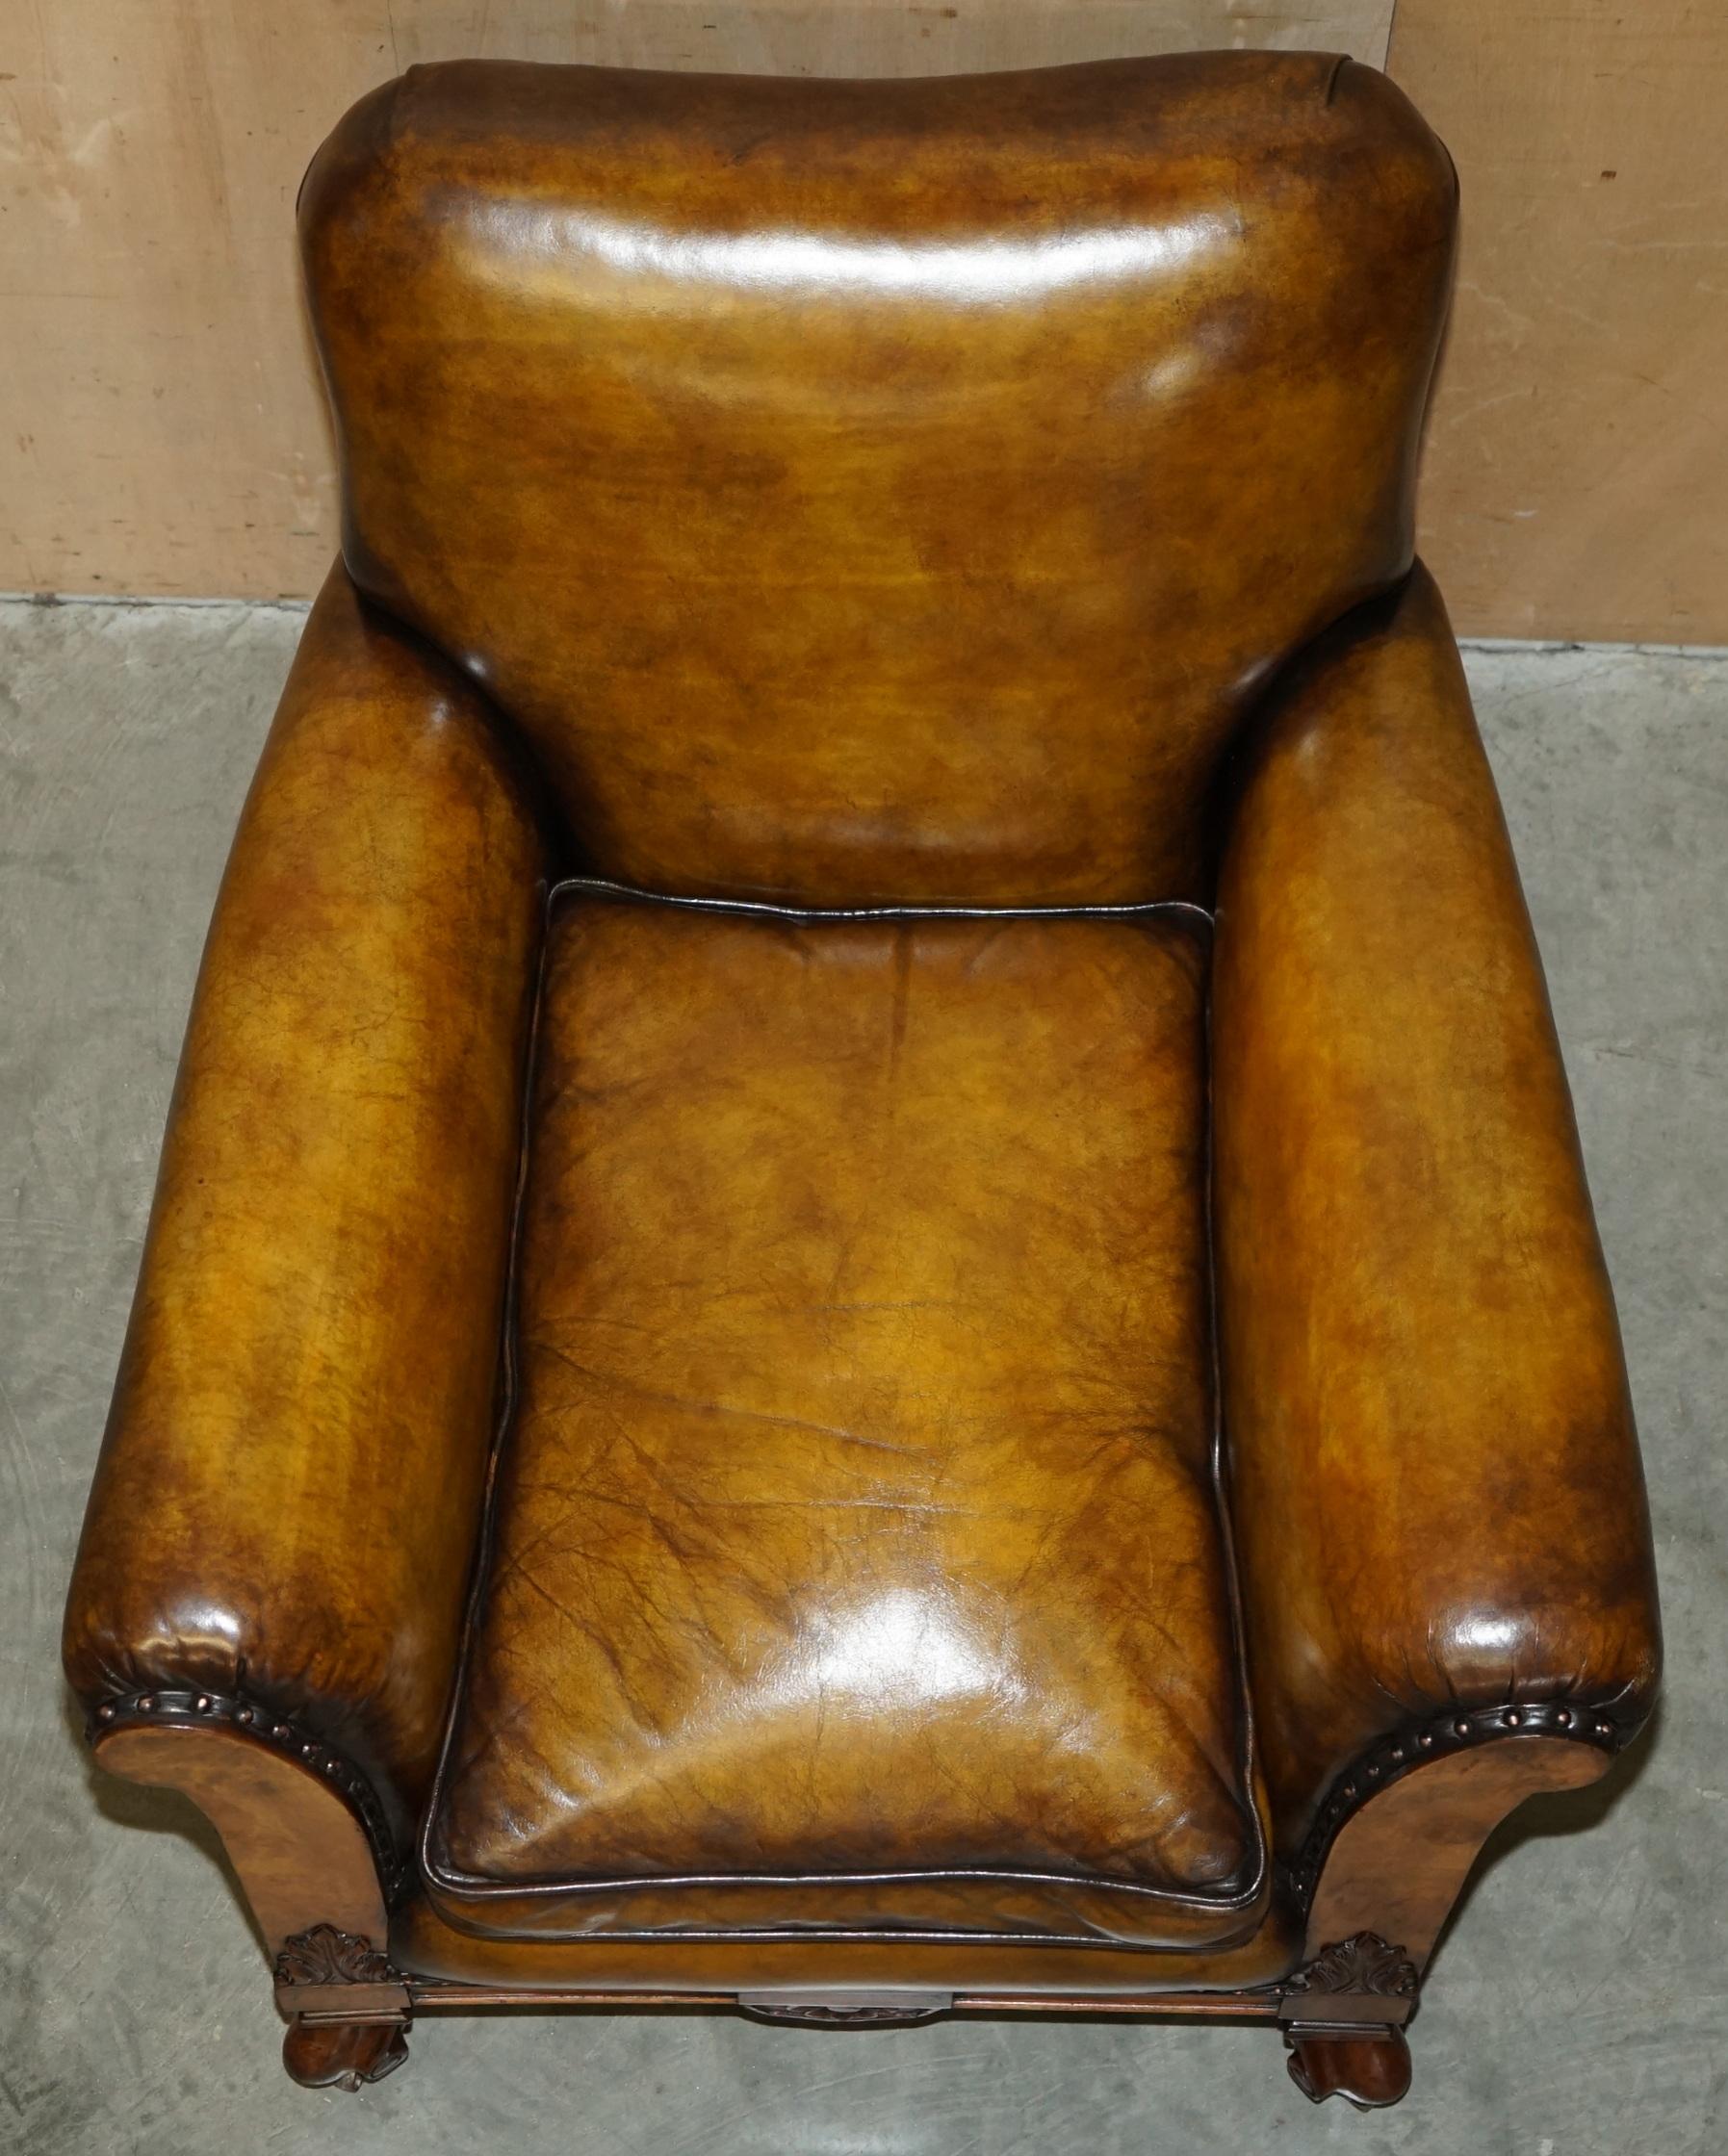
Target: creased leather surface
<point>881,491</point>
<point>858,1515</point>
<point>1436,1480</point>
<point>290,1487</point>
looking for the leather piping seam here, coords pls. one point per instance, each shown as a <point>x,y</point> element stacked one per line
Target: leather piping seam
<point>459,1886</point>
<point>181,1706</point>
<point>1246,1725</point>
<point>601,886</point>
<point>1457,1729</point>
<point>831,1935</point>
<point>504,1420</point>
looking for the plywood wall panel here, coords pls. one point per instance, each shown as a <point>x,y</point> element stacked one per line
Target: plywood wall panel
<point>1576,478</point>
<point>165,429</point>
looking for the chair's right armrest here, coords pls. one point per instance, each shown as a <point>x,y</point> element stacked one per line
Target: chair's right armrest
<point>284,1515</point>
<point>1437,1491</point>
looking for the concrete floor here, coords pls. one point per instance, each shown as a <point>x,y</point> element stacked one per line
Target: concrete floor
<point>1576,2009</point>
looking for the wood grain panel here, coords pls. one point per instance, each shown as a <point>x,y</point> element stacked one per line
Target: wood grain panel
<point>1576,481</point>
<point>166,432</point>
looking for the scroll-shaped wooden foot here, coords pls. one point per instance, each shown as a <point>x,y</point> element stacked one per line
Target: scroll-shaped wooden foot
<point>1369,2067</point>
<point>343,2054</point>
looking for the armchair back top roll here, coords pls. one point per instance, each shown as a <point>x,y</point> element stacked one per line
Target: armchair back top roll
<point>863,492</point>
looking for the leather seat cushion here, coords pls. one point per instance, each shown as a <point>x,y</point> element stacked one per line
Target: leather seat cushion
<point>854,1559</point>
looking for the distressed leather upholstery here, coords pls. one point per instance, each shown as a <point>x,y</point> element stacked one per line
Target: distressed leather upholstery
<point>863,1347</point>
<point>1039,985</point>
<point>880,492</point>
<point>336,1181</point>
<point>1433,1451</point>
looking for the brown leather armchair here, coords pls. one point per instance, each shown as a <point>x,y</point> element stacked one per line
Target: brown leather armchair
<point>872,1291</point>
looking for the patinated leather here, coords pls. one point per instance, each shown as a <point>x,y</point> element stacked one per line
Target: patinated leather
<point>289,1491</point>
<point>857,1557</point>
<point>990,491</point>
<point>1435,1476</point>
<point>881,491</point>
<point>425,1941</point>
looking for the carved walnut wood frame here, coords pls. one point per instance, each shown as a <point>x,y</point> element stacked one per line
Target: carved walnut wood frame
<point>1392,1845</point>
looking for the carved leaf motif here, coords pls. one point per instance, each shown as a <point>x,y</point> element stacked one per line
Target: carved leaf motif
<point>324,1955</point>
<point>1364,1964</point>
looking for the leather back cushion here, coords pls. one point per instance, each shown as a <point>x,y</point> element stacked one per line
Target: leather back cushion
<point>880,491</point>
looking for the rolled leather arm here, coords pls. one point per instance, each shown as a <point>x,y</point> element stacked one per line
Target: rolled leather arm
<point>283,1517</point>
<point>1439,1504</point>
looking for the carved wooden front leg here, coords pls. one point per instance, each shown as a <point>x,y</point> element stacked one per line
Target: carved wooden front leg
<point>1343,2014</point>
<point>1370,2068</point>
<point>1394,1845</point>
<point>347,2009</point>
<point>343,2054</point>
<point>308,1856</point>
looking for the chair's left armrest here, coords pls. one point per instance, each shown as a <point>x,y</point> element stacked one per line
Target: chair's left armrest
<point>1438,1497</point>
<point>284,1515</point>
